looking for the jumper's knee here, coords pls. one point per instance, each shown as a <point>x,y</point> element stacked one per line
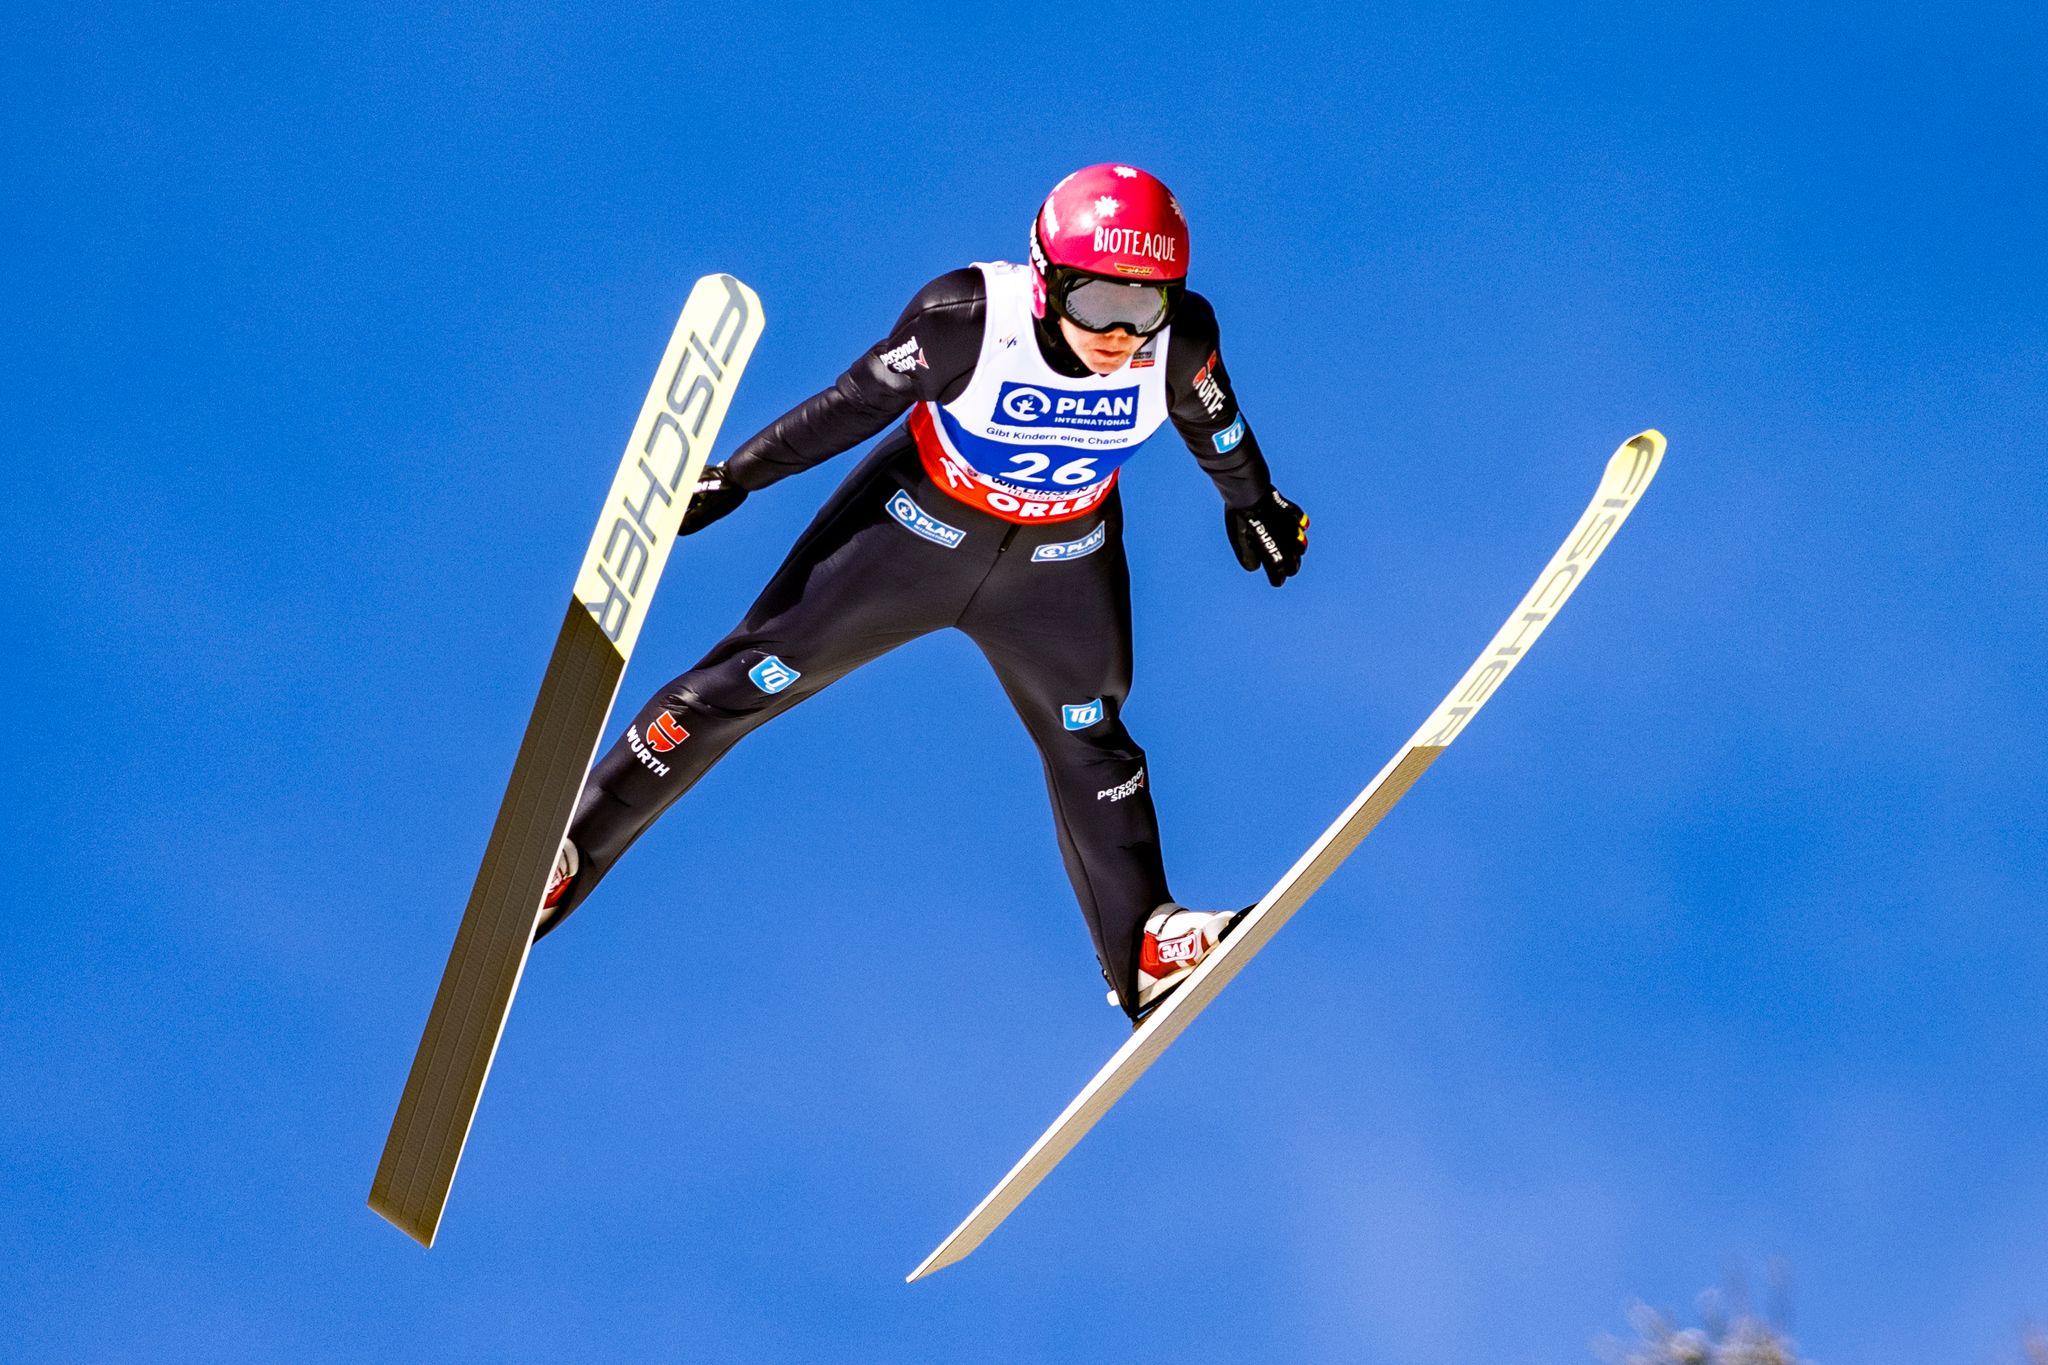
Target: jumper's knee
<point>744,683</point>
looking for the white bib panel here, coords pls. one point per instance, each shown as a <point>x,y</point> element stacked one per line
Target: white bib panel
<point>1025,442</point>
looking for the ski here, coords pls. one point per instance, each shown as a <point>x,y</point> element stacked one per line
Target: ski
<point>679,421</point>
<point>1628,474</point>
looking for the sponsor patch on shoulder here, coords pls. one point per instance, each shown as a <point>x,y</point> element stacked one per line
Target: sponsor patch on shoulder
<point>905,358</point>
<point>1072,549</point>
<point>1228,438</point>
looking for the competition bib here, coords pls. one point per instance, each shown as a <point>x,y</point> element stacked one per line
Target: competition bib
<point>1026,443</point>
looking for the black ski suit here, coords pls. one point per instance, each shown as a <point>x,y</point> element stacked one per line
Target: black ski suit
<point>892,556</point>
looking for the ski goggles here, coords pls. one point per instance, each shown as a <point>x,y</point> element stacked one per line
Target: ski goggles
<point>1097,304</point>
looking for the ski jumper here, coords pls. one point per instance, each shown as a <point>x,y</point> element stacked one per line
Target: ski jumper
<point>993,510</point>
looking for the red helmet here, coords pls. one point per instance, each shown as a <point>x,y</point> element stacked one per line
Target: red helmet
<point>1109,249</point>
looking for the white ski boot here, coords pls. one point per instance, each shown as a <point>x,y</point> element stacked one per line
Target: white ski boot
<point>1176,940</point>
<point>566,866</point>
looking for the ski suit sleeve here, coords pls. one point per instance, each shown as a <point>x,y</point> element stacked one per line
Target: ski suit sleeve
<point>1204,406</point>
<point>930,351</point>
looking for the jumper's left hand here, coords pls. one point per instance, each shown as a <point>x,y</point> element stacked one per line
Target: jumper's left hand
<point>715,495</point>
<point>1271,534</point>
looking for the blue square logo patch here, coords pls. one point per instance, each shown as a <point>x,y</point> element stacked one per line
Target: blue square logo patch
<point>1082,716</point>
<point>771,675</point>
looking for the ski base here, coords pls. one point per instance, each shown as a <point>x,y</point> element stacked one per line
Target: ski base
<point>671,441</point>
<point>447,1080</point>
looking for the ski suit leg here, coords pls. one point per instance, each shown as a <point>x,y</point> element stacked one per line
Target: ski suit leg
<point>854,586</point>
<point>1058,634</point>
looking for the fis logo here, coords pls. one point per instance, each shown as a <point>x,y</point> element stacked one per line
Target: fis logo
<point>664,733</point>
<point>920,522</point>
<point>1027,405</point>
<point>771,675</point>
<point>1082,716</point>
<point>1071,549</point>
<point>1226,440</point>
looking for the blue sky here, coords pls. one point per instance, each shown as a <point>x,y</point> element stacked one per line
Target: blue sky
<point>1716,938</point>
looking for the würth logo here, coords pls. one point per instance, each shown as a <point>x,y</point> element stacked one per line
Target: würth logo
<point>644,753</point>
<point>663,733</point>
<point>1206,387</point>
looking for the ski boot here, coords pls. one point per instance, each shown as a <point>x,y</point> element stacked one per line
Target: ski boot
<point>567,865</point>
<point>1176,940</point>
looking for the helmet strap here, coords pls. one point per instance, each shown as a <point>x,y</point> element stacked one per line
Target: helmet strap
<point>1052,345</point>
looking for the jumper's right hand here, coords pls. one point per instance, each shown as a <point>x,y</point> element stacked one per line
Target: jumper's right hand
<point>716,494</point>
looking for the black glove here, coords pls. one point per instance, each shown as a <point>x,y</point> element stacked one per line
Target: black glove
<point>716,495</point>
<point>1271,534</point>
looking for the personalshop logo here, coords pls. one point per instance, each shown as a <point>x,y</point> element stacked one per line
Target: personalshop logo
<point>1082,716</point>
<point>1123,789</point>
<point>1027,405</point>
<point>905,358</point>
<point>771,675</point>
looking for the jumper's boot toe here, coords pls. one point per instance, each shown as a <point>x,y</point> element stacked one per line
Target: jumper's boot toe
<point>1175,943</point>
<point>567,864</point>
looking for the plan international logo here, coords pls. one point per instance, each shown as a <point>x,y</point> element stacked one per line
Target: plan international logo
<point>914,518</point>
<point>1028,405</point>
<point>1071,549</point>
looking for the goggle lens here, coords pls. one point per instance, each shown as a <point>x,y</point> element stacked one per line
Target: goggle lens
<point>1098,305</point>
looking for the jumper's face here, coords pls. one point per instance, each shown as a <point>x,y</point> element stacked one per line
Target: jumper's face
<point>1102,352</point>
